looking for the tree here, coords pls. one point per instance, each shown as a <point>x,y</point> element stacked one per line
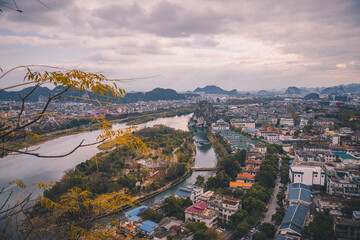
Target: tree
<point>278,216</point>
<point>321,228</point>
<point>268,229</point>
<point>200,181</point>
<point>21,128</point>
<point>353,204</point>
<point>237,218</point>
<point>240,231</point>
<point>151,214</point>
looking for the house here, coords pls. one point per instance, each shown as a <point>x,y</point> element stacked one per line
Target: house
<point>342,187</point>
<point>200,212</point>
<point>293,221</point>
<point>299,193</point>
<point>287,122</point>
<point>240,184</point>
<point>136,211</point>
<point>251,170</point>
<point>220,125</point>
<point>193,192</point>
<point>229,206</point>
<point>307,174</point>
<point>147,227</point>
<point>225,206</point>
<point>241,123</point>
<point>333,203</point>
<point>246,177</point>
<point>348,228</point>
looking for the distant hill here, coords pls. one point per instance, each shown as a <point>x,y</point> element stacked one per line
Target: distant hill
<point>335,90</point>
<point>263,92</point>
<point>42,93</point>
<point>212,89</point>
<point>293,90</point>
<point>311,96</point>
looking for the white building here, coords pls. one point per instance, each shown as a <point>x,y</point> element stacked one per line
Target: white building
<point>309,175</point>
<point>220,125</point>
<point>287,122</point>
<point>239,123</point>
<point>229,207</point>
<point>200,212</point>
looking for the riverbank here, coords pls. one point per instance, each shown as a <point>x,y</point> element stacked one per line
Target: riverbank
<point>143,118</point>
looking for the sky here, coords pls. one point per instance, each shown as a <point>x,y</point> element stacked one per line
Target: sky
<point>234,44</point>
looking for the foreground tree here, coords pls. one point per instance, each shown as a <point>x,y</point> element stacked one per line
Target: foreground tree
<point>77,204</point>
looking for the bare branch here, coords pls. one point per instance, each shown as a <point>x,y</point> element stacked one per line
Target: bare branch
<point>57,156</point>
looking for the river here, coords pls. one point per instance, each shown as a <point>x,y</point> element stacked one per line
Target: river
<point>31,169</point>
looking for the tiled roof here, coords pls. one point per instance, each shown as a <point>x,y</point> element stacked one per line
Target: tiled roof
<point>245,175</point>
<point>197,207</point>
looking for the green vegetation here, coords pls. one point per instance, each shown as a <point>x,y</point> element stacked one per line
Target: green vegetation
<point>348,117</point>
<point>200,180</point>
<point>353,204</point>
<point>279,215</point>
<point>176,206</point>
<point>321,228</point>
<point>115,170</point>
<point>284,170</point>
<point>202,232</point>
<point>151,214</point>
<point>266,231</point>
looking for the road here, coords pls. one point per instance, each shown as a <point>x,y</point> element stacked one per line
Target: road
<point>273,200</point>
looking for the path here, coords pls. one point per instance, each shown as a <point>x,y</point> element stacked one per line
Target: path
<point>273,200</point>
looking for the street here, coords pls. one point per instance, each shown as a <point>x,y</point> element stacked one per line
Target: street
<point>273,200</point>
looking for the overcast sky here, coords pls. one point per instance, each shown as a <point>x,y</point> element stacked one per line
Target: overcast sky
<point>244,45</point>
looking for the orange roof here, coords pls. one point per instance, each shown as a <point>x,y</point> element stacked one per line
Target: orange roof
<point>251,168</point>
<point>245,175</point>
<point>240,183</point>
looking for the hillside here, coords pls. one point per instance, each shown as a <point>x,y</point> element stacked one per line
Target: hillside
<point>42,93</point>
<point>212,89</point>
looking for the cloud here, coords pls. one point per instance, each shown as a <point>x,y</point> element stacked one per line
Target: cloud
<point>238,44</point>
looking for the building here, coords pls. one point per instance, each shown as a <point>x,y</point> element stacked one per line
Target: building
<point>333,203</point>
<point>148,227</point>
<point>342,187</point>
<point>241,123</point>
<point>240,184</point>
<point>299,193</point>
<point>293,221</point>
<point>224,206</point>
<point>347,228</point>
<point>220,125</point>
<point>307,174</point>
<point>193,192</point>
<point>200,212</point>
<point>287,122</point>
<point>246,177</point>
<point>229,206</point>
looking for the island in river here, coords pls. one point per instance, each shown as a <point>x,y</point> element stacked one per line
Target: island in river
<point>125,169</point>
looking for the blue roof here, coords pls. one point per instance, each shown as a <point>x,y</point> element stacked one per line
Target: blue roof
<point>183,192</point>
<point>299,185</point>
<point>134,218</point>
<point>136,211</point>
<point>298,194</point>
<point>150,223</point>
<point>292,227</point>
<point>296,214</point>
<point>148,226</point>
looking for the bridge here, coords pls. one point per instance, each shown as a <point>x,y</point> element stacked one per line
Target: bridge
<point>203,169</point>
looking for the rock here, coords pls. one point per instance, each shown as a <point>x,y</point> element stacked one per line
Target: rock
<point>204,115</point>
<point>293,90</point>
